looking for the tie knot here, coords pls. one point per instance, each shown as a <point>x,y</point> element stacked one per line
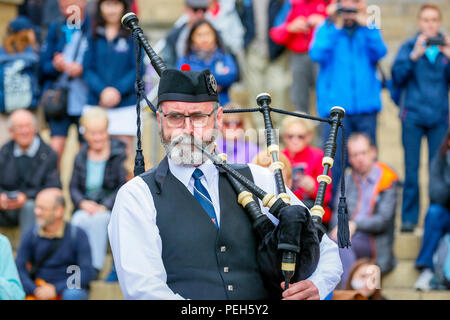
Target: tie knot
<point>197,174</point>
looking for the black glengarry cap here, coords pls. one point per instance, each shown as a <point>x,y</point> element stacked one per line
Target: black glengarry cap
<point>187,86</point>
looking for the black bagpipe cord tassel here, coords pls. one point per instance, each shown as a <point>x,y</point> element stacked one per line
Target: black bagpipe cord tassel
<point>139,162</point>
<point>343,229</point>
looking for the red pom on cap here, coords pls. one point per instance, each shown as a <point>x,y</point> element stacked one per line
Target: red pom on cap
<point>185,67</point>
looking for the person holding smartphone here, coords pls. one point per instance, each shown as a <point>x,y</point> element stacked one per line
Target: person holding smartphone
<point>27,165</point>
<point>421,71</point>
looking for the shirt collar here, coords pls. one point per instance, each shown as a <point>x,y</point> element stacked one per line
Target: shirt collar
<point>184,173</point>
<point>58,235</point>
<point>30,152</point>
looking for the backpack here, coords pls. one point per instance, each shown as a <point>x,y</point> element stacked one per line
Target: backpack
<point>19,87</point>
<point>441,278</point>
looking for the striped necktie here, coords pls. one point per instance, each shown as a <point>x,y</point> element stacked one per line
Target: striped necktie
<point>203,197</point>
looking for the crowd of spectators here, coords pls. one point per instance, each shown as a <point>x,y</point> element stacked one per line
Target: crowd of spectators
<point>328,52</point>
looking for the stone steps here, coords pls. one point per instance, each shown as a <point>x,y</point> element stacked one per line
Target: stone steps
<point>410,294</point>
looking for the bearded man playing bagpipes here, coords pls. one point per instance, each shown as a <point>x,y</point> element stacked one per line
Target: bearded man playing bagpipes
<point>177,231</point>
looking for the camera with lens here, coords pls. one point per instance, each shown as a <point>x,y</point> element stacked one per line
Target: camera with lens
<point>436,41</point>
<point>341,9</point>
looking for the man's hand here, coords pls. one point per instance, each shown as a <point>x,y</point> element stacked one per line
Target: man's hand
<point>59,63</point>
<point>315,19</point>
<point>3,201</point>
<point>307,183</point>
<point>297,25</point>
<point>12,204</point>
<point>45,292</point>
<point>110,97</point>
<point>90,207</point>
<point>74,69</point>
<point>419,48</point>
<point>302,290</point>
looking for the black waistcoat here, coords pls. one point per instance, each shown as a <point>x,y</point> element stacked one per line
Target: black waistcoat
<point>201,261</point>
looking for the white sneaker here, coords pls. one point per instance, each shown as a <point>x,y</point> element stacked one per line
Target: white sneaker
<point>423,282</point>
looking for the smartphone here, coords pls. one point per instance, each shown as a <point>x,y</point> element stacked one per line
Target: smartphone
<point>436,41</point>
<point>297,175</point>
<point>12,195</point>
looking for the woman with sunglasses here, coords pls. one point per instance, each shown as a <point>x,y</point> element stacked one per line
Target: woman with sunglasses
<point>306,161</point>
<point>237,129</point>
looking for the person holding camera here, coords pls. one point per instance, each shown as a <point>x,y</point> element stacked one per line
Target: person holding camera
<point>27,165</point>
<point>348,48</point>
<point>421,74</point>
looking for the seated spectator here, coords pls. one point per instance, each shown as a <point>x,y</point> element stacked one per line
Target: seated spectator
<point>296,33</point>
<point>365,279</point>
<point>263,159</point>
<point>348,50</point>
<point>306,162</point>
<point>48,252</point>
<point>371,191</point>
<point>19,88</point>
<point>204,50</point>
<point>437,219</point>
<point>234,141</point>
<point>176,39</point>
<point>421,73</point>
<point>98,174</point>
<point>62,55</point>
<point>113,89</point>
<point>27,165</point>
<point>10,285</point>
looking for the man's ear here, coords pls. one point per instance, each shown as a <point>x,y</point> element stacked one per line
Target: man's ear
<point>220,119</point>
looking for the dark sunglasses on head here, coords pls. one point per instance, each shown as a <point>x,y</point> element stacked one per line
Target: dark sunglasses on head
<point>199,9</point>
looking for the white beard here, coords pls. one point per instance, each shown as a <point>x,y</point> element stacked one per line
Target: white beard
<point>181,150</point>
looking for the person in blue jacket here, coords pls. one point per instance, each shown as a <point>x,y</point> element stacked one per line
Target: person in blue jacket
<point>67,272</point>
<point>62,52</point>
<point>204,50</point>
<point>110,70</point>
<point>421,71</point>
<point>10,285</point>
<point>347,50</point>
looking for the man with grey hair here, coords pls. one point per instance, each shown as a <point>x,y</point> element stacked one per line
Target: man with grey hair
<point>27,165</point>
<point>194,240</point>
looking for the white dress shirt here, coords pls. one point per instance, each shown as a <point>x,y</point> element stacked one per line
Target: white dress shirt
<point>136,243</point>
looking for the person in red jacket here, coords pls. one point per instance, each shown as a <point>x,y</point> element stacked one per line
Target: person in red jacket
<point>296,33</point>
<point>306,162</point>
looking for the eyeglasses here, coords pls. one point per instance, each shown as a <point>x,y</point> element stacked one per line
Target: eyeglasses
<point>292,136</point>
<point>198,120</point>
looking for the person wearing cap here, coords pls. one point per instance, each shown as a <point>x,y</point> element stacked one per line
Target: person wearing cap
<point>194,241</point>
